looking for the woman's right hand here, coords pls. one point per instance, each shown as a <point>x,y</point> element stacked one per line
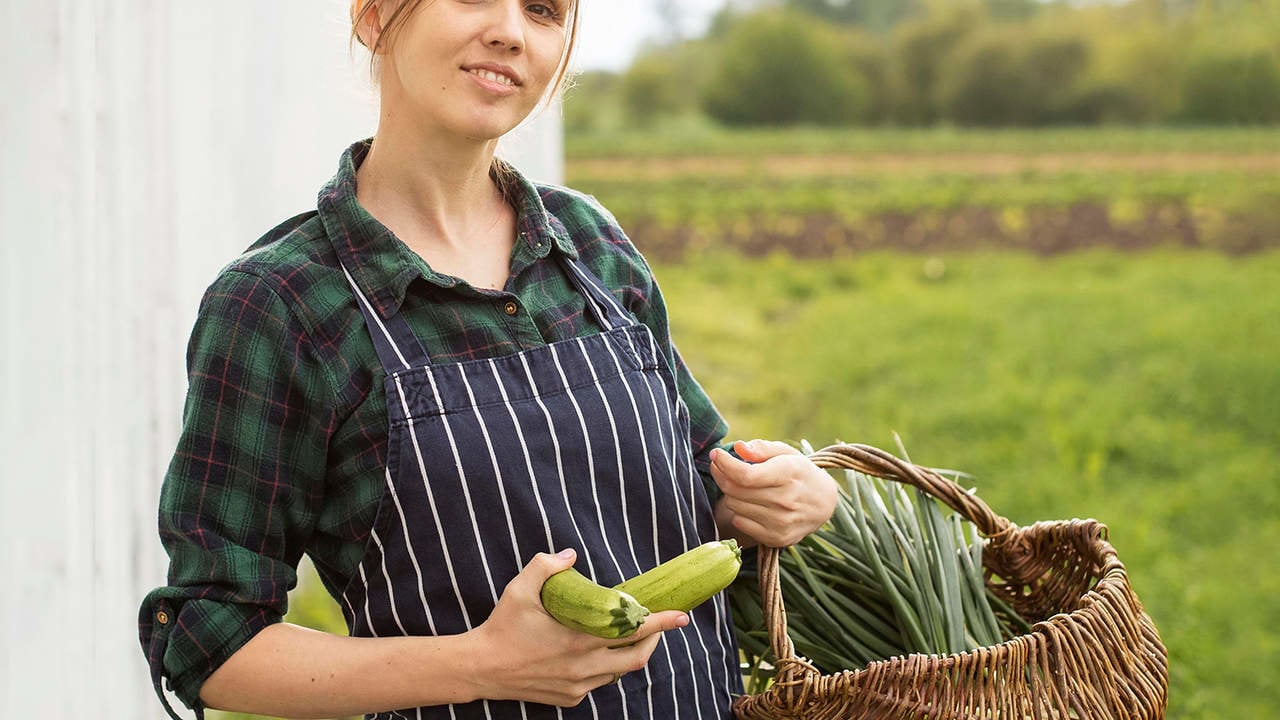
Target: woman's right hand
<point>522,653</point>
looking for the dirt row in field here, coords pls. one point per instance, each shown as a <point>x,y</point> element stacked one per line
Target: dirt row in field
<point>965,163</point>
<point>1043,231</point>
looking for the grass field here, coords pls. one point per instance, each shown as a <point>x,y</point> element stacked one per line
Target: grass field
<point>1138,388</point>
<point>1141,390</point>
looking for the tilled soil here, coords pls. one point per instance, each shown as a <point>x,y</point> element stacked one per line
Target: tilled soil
<point>964,163</point>
<point>1040,230</point>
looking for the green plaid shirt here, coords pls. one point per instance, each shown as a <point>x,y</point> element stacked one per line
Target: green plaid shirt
<point>283,445</point>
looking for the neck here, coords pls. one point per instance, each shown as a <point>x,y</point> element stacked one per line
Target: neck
<point>433,182</point>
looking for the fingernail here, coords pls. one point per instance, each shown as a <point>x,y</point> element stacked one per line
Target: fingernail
<point>565,553</point>
<point>684,620</point>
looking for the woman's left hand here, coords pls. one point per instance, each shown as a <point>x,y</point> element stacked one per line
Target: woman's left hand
<point>774,498</point>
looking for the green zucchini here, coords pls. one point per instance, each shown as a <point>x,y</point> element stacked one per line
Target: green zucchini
<point>687,580</point>
<point>577,602</point>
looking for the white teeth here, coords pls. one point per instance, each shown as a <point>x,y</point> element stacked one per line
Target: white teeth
<point>493,76</point>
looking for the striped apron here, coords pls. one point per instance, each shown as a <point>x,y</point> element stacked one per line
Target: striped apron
<point>581,443</point>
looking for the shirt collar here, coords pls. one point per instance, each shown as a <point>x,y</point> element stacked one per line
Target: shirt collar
<point>384,267</point>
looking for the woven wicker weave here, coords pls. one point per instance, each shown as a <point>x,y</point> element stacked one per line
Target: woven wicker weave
<point>1092,652</point>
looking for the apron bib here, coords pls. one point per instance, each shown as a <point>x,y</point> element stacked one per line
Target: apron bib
<point>581,443</point>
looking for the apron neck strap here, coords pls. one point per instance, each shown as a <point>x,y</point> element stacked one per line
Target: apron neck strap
<point>398,348</point>
<point>600,302</point>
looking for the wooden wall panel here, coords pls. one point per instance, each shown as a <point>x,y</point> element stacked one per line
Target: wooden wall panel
<point>145,143</point>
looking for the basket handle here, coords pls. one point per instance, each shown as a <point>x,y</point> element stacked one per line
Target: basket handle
<point>878,463</point>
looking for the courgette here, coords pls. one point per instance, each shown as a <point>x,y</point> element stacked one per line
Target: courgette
<point>687,580</point>
<point>577,602</point>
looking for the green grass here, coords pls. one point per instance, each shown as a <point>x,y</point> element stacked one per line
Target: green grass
<point>1141,390</point>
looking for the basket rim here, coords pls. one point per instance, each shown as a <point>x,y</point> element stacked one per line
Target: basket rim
<point>1111,572</point>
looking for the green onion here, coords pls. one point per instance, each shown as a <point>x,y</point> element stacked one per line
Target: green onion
<point>893,573</point>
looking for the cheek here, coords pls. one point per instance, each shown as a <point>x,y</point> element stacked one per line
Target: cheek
<point>546,62</point>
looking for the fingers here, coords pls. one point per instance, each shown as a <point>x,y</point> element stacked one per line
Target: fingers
<point>753,480</point>
<point>654,625</point>
<point>760,450</point>
<point>598,681</point>
<point>775,495</point>
<point>730,472</point>
<point>769,526</point>
<point>640,646</point>
<point>661,622</point>
<point>544,661</point>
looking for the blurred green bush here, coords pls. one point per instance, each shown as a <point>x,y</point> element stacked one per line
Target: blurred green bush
<point>1232,86</point>
<point>783,68</point>
<point>965,63</point>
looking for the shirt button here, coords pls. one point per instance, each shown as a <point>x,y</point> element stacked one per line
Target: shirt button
<point>510,308</point>
<point>162,617</point>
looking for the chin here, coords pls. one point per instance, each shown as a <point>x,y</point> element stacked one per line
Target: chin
<point>489,127</point>
<point>482,133</point>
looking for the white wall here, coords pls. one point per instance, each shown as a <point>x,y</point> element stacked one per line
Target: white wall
<point>145,143</point>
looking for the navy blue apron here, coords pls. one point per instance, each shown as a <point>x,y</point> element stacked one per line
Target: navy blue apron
<point>581,443</point>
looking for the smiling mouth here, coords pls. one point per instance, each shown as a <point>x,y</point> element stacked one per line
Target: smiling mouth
<point>493,76</point>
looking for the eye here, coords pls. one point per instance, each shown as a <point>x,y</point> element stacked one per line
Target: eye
<point>545,11</point>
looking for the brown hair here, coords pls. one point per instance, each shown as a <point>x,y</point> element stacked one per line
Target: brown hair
<point>404,8</point>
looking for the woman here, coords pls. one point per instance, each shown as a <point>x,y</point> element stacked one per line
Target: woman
<point>446,384</point>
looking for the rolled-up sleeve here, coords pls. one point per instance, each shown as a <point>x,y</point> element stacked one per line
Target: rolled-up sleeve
<point>244,487</point>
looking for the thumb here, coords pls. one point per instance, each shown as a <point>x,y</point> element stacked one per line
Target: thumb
<point>544,565</point>
<point>727,468</point>
<point>760,450</point>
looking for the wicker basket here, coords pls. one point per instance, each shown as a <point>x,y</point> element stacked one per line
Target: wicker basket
<point>1092,651</point>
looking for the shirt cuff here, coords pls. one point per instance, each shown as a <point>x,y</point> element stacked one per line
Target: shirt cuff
<point>186,640</point>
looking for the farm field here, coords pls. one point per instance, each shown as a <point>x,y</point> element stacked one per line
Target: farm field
<point>821,193</point>
<point>1140,390</point>
<point>1135,383</point>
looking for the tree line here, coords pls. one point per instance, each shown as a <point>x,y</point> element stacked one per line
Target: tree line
<point>980,63</point>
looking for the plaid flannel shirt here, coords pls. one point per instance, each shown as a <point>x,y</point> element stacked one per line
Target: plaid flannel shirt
<point>284,434</point>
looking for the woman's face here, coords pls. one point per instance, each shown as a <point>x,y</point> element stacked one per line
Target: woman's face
<point>475,68</point>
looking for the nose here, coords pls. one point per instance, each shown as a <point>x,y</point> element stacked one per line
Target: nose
<point>505,30</point>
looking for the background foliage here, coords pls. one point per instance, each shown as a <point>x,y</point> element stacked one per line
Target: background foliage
<point>976,63</point>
